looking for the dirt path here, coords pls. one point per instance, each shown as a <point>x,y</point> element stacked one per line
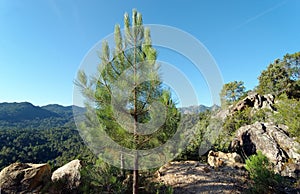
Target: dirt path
<point>194,177</point>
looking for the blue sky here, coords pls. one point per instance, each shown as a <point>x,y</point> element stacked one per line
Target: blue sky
<point>42,42</point>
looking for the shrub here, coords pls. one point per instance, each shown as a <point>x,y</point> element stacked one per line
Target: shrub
<point>265,180</point>
<point>100,178</point>
<point>289,114</point>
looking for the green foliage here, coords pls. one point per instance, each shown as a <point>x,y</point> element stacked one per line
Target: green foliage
<point>199,124</point>
<point>274,80</point>
<point>262,115</point>
<point>55,146</point>
<point>292,63</point>
<point>133,60</point>
<point>23,111</point>
<point>265,180</point>
<point>240,118</point>
<point>231,92</point>
<point>27,116</point>
<point>99,177</point>
<point>281,77</point>
<point>125,92</point>
<point>245,117</point>
<point>237,120</point>
<point>288,113</point>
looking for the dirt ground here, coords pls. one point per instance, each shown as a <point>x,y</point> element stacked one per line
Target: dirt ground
<point>194,177</point>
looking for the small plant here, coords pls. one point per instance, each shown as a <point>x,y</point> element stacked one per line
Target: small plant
<point>265,180</point>
<point>100,178</point>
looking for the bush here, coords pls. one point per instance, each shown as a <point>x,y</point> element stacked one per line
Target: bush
<point>289,114</point>
<point>100,178</point>
<point>196,127</point>
<point>265,180</point>
<point>237,120</point>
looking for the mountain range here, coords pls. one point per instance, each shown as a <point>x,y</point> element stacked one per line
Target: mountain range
<point>196,109</point>
<point>26,115</point>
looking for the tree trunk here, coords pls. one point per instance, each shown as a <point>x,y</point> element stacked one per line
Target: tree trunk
<point>135,181</point>
<point>135,178</point>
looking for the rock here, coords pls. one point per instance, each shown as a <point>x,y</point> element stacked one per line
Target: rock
<point>24,178</point>
<point>291,169</point>
<point>255,101</point>
<point>218,159</point>
<point>68,175</point>
<point>273,141</point>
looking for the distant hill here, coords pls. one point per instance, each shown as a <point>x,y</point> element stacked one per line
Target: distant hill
<point>26,115</point>
<point>196,109</point>
<point>64,111</point>
<point>16,112</point>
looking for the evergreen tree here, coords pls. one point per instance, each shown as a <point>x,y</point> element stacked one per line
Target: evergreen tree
<point>274,80</point>
<point>231,92</point>
<point>132,105</point>
<point>282,77</point>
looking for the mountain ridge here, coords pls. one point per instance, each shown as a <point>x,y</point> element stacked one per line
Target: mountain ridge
<point>23,115</point>
<point>12,109</point>
<point>196,109</point>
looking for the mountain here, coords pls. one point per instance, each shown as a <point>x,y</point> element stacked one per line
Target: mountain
<point>26,115</point>
<point>37,134</point>
<point>196,109</point>
<point>16,112</point>
<point>64,111</point>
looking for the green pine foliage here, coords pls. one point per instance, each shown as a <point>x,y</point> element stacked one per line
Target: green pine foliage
<point>134,55</point>
<point>281,77</point>
<point>122,73</point>
<point>288,113</point>
<point>231,92</point>
<point>99,177</point>
<point>264,178</point>
<point>56,146</point>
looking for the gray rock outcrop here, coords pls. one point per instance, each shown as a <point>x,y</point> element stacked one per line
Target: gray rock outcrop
<point>255,101</point>
<point>68,175</point>
<point>24,178</point>
<point>273,141</point>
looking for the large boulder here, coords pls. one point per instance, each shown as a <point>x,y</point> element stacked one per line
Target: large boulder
<point>274,142</point>
<point>217,159</point>
<point>24,178</point>
<point>255,101</point>
<point>68,175</point>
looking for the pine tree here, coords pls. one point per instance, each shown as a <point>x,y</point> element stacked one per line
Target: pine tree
<point>231,92</point>
<point>132,105</point>
<point>281,77</point>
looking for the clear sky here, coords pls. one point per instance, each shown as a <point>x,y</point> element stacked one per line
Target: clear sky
<point>42,42</point>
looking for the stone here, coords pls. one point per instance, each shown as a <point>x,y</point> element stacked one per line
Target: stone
<point>24,178</point>
<point>68,175</point>
<point>218,159</point>
<point>273,141</point>
<point>255,101</point>
<point>291,169</point>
